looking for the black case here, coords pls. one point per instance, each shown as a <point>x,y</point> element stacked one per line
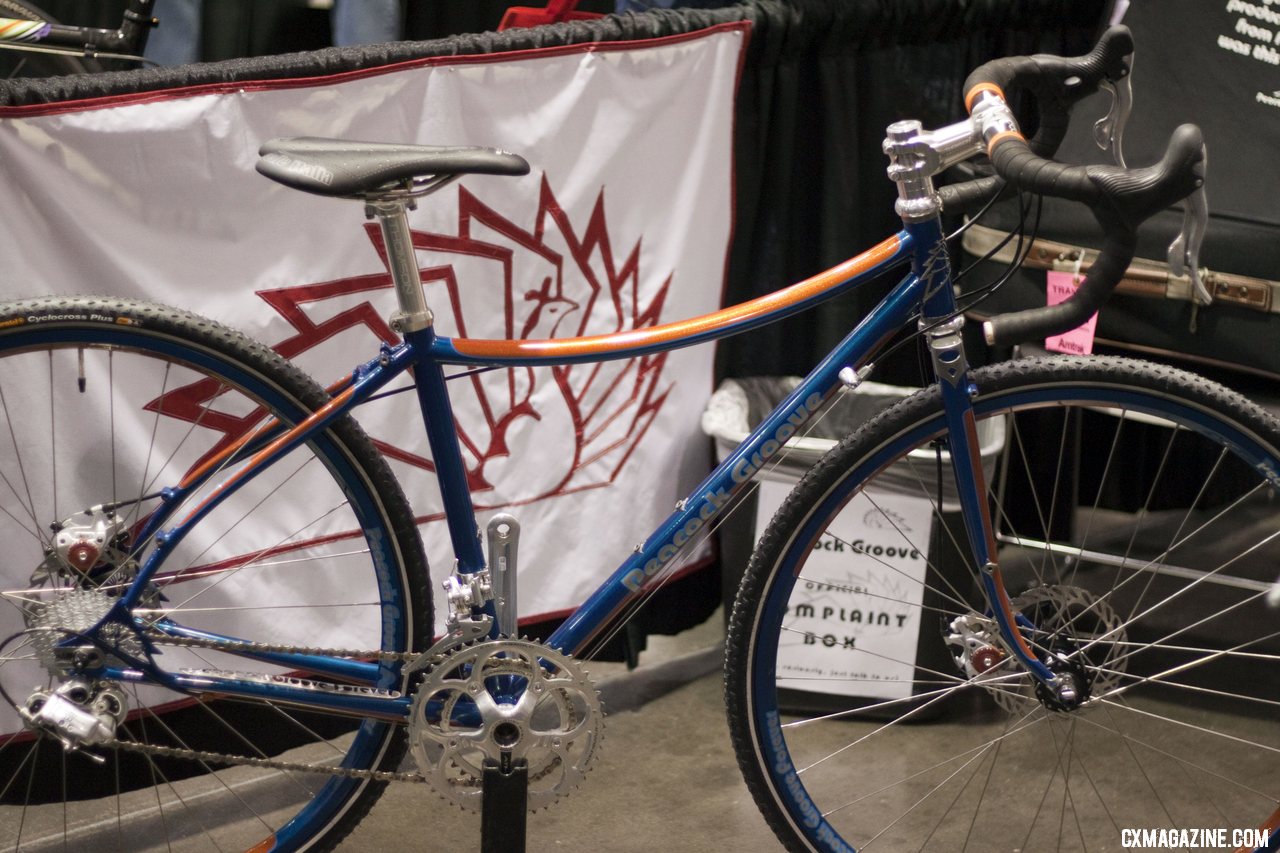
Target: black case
<point>1187,68</point>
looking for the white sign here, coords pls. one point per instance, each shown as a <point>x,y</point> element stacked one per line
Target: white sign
<point>853,620</point>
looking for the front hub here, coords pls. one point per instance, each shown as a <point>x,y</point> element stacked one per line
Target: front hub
<point>1072,684</point>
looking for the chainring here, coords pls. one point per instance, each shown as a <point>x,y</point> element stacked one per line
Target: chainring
<point>505,700</point>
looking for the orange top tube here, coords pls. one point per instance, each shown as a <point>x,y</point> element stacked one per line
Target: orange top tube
<point>598,345</point>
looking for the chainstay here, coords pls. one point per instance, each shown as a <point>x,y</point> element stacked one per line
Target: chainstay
<point>206,757</point>
<point>244,647</point>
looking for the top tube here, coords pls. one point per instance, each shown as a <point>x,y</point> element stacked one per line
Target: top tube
<point>681,333</point>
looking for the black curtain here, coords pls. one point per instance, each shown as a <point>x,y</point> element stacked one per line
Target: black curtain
<point>234,29</point>
<point>824,79</point>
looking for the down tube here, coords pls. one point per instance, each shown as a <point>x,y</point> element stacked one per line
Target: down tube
<point>705,503</point>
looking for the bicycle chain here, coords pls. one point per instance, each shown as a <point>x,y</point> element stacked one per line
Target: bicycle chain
<point>205,757</point>
<point>258,648</point>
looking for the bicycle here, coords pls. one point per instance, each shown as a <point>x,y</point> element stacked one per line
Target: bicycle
<point>33,44</point>
<point>169,649</point>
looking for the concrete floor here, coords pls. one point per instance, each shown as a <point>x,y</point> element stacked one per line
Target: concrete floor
<point>665,779</point>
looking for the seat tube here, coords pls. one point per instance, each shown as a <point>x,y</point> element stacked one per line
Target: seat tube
<point>446,454</point>
<point>414,321</point>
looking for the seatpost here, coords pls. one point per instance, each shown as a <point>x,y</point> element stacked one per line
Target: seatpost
<point>393,221</point>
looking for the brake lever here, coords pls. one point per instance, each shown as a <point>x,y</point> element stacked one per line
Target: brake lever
<point>1108,131</point>
<point>1184,251</point>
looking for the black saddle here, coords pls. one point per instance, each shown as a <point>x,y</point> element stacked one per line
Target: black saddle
<point>337,167</point>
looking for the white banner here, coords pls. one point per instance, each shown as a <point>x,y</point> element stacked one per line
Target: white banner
<point>624,221</point>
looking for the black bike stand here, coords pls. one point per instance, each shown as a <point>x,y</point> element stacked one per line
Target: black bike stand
<point>504,805</point>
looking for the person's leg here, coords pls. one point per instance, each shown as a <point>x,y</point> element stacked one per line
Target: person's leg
<point>367,21</point>
<point>177,40</point>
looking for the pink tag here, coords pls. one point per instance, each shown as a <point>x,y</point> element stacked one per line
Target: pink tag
<point>1078,341</point>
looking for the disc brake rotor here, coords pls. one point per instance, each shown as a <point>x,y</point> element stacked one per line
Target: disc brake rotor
<point>1069,621</point>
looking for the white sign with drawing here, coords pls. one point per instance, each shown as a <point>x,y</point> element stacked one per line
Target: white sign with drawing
<point>860,591</point>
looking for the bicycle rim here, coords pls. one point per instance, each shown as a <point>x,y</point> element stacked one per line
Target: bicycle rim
<point>109,402</point>
<point>1136,516</point>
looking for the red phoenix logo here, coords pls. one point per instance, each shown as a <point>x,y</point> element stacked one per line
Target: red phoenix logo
<point>543,279</point>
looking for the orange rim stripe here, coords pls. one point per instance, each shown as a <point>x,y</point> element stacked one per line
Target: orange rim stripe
<point>724,318</point>
<point>978,90</point>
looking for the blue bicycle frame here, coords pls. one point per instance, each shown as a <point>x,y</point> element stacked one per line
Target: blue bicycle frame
<point>925,292</point>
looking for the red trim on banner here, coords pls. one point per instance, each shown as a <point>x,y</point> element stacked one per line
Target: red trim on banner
<point>344,76</point>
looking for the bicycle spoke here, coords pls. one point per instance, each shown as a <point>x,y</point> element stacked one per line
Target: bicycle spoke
<point>1132,537</point>
<point>29,504</point>
<point>300,556</point>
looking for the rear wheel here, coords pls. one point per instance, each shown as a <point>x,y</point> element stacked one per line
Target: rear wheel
<point>1136,512</point>
<point>103,405</point>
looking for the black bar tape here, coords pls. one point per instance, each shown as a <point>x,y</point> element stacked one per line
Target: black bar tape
<point>1120,199</point>
<point>1019,165</point>
<point>1057,83</point>
<point>968,196</point>
<point>1036,323</point>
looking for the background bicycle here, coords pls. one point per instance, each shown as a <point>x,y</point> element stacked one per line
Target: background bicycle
<point>33,44</point>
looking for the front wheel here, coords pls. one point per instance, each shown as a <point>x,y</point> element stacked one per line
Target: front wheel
<point>873,703</point>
